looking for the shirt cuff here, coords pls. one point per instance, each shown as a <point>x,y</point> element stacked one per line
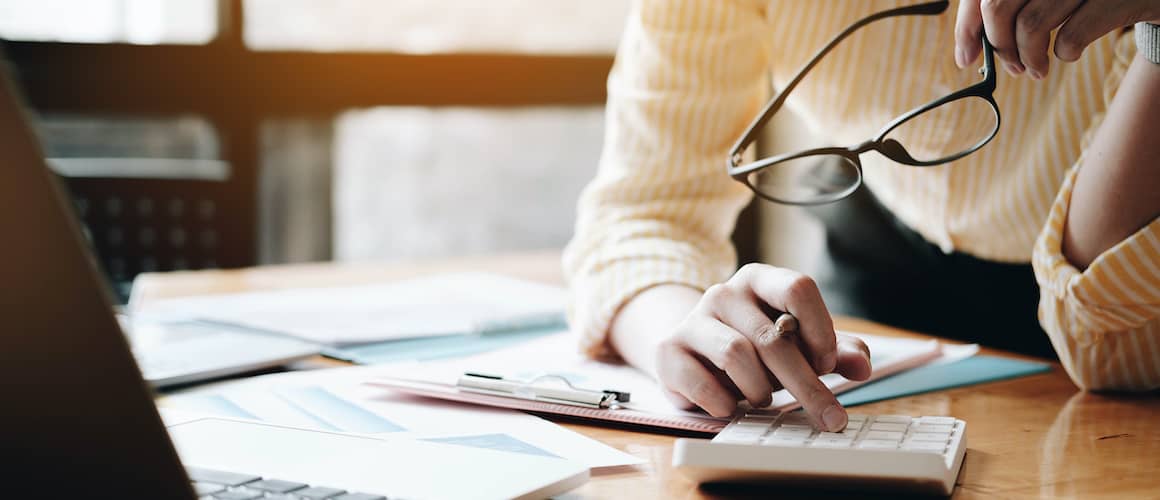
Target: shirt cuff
<point>598,296</point>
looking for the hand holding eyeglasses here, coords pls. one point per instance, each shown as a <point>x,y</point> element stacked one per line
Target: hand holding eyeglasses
<point>1020,30</point>
<point>828,174</point>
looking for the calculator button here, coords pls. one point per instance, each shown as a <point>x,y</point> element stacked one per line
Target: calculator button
<point>882,426</point>
<point>744,427</point>
<point>930,436</point>
<point>892,419</point>
<point>784,441</point>
<point>758,419</point>
<point>737,438</point>
<point>884,435</point>
<point>878,444</point>
<point>795,419</point>
<point>750,426</point>
<point>846,434</point>
<point>800,433</point>
<point>924,446</point>
<point>743,434</point>
<point>937,420</point>
<point>763,411</point>
<point>854,425</point>
<point>855,417</point>
<point>831,443</point>
<point>799,427</point>
<point>940,428</point>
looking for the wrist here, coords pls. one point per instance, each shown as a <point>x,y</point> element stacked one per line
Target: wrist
<point>648,319</point>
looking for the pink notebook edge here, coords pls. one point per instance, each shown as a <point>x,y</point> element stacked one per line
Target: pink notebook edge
<point>706,425</point>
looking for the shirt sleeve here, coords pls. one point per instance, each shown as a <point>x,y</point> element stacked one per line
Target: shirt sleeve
<point>1104,321</point>
<point>689,76</point>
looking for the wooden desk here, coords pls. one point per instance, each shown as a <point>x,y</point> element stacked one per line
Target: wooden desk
<point>1029,437</point>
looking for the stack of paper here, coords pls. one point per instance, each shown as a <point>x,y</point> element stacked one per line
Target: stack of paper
<point>438,305</point>
<point>336,400</point>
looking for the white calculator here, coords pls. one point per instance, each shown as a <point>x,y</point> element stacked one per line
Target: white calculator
<point>874,452</point>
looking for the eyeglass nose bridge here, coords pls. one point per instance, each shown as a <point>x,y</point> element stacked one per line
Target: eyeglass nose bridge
<point>869,145</point>
<point>887,147</point>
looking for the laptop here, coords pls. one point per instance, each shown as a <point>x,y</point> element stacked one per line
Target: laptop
<point>180,352</point>
<point>77,420</point>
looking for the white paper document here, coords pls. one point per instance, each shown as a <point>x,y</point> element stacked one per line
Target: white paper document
<point>558,355</point>
<point>336,400</point>
<point>443,304</point>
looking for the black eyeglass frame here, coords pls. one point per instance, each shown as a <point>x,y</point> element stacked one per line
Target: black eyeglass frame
<point>889,148</point>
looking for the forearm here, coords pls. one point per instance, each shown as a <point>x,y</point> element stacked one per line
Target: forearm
<point>1116,187</point>
<point>1095,260</point>
<point>648,319</point>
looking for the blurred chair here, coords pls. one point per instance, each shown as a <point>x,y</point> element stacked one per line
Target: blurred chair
<point>145,215</point>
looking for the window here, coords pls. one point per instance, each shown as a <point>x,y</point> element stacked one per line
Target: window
<point>108,21</point>
<point>434,26</point>
<point>422,182</point>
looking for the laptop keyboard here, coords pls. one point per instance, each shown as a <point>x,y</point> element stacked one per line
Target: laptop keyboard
<point>219,485</point>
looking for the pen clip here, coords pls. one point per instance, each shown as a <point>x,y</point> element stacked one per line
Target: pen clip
<point>497,385</point>
<point>617,396</point>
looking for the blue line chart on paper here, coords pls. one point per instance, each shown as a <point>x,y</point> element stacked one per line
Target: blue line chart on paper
<point>319,408</point>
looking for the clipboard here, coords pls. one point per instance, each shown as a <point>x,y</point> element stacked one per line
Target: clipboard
<point>621,414</point>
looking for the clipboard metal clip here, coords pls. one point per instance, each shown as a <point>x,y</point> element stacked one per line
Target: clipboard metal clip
<point>535,390</point>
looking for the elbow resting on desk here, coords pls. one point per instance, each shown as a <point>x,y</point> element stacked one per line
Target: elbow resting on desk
<point>1102,348</point>
<point>1104,345</point>
<point>1103,321</point>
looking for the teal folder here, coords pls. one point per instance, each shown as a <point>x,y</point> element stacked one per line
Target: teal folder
<point>969,371</point>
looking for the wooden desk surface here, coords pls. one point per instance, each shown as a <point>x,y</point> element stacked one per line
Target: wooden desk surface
<point>1029,437</point>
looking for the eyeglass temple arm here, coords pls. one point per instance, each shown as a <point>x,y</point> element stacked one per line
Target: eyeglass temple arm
<point>751,133</point>
<point>989,64</point>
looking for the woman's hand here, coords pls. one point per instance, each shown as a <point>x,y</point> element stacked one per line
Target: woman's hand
<point>728,349</point>
<point>1021,30</point>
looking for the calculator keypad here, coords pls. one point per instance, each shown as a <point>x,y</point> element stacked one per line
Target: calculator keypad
<point>868,432</point>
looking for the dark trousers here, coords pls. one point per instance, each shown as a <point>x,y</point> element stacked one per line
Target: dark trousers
<point>880,269</point>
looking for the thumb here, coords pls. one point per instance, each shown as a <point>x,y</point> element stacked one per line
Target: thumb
<point>968,33</point>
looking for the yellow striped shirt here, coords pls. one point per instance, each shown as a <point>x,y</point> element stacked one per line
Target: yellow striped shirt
<point>691,74</point>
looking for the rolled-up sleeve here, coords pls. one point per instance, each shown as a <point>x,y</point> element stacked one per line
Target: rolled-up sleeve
<point>1104,321</point>
<point>689,75</point>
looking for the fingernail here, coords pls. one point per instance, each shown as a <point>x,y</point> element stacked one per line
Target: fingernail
<point>1035,74</point>
<point>1012,68</point>
<point>835,418</point>
<point>960,58</point>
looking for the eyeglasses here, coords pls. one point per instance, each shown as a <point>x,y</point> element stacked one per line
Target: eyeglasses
<point>825,175</point>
